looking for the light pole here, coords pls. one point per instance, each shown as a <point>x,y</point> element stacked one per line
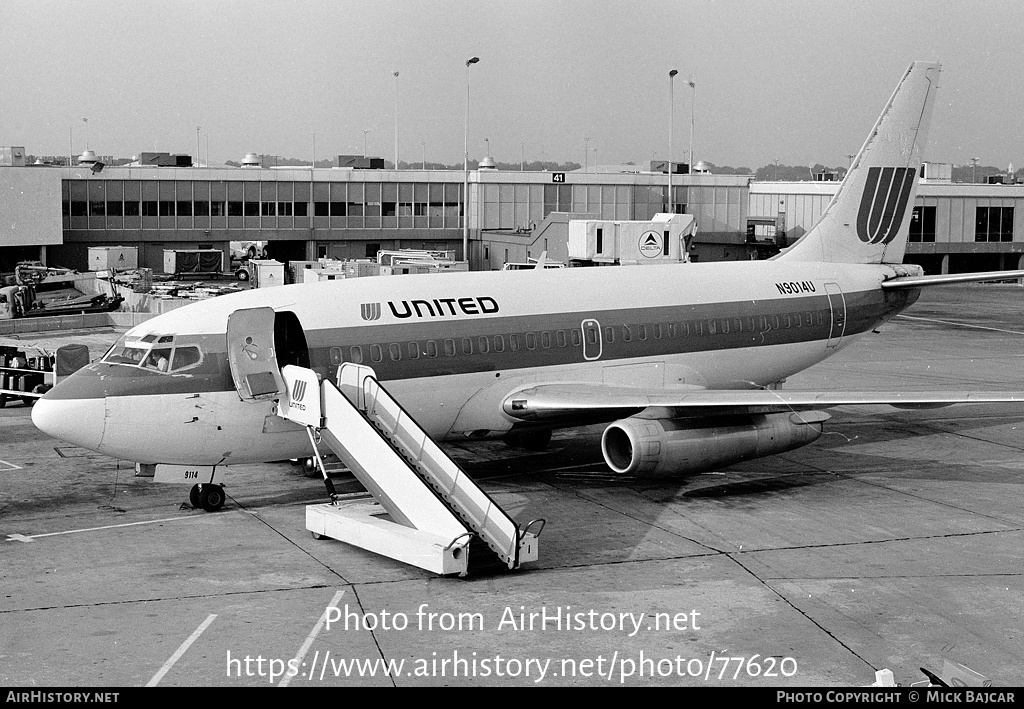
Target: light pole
<point>974,174</point>
<point>364,141</point>
<point>423,156</point>
<point>671,122</point>
<point>396,118</point>
<point>487,146</point>
<point>693,102</point>
<point>465,183</point>
<point>197,145</point>
<point>586,154</point>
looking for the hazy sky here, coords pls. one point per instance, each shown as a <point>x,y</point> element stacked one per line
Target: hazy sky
<point>798,81</point>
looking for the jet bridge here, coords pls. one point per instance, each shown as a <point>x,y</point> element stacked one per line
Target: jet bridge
<point>429,510</point>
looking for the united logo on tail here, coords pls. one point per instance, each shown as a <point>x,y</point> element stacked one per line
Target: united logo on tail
<point>884,203</point>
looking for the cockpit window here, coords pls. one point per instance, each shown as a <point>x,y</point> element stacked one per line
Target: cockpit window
<point>185,357</point>
<point>125,354</point>
<point>158,359</point>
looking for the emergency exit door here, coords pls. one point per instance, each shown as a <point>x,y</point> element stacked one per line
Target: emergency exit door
<point>592,345</point>
<point>252,356</point>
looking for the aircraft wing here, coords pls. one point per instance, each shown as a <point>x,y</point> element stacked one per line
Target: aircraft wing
<point>567,401</point>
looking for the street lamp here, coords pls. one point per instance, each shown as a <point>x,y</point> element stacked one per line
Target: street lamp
<point>693,102</point>
<point>395,73</point>
<point>364,141</point>
<point>197,145</point>
<point>465,184</point>
<point>974,174</point>
<point>487,146</point>
<point>586,154</point>
<point>671,121</point>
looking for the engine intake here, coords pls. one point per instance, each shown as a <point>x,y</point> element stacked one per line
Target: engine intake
<point>648,447</point>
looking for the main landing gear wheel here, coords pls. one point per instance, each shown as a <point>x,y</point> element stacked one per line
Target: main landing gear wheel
<point>211,497</point>
<point>193,497</point>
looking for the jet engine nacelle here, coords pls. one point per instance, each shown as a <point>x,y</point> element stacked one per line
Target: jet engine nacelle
<point>648,447</point>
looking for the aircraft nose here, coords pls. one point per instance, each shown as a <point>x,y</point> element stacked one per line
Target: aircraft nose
<point>77,421</point>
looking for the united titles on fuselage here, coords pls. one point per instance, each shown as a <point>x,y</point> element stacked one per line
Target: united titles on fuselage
<point>444,307</point>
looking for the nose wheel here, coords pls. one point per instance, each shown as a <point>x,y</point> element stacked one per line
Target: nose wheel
<point>207,495</point>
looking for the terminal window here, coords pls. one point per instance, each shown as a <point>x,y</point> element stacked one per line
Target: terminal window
<point>922,224</point>
<point>993,224</point>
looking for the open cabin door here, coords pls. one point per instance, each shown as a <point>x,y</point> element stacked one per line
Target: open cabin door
<point>252,355</point>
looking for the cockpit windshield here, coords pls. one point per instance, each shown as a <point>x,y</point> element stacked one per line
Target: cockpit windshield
<point>154,352</point>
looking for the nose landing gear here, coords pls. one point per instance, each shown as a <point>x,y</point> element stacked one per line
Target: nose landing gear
<point>207,495</point>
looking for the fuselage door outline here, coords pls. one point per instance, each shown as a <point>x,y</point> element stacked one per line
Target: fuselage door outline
<point>592,344</point>
<point>837,306</point>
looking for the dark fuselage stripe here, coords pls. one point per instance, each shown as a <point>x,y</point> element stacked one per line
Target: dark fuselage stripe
<point>522,342</point>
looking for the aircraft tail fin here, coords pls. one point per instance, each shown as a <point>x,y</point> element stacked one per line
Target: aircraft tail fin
<point>868,219</point>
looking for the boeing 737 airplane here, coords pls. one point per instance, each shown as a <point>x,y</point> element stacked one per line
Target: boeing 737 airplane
<point>681,361</point>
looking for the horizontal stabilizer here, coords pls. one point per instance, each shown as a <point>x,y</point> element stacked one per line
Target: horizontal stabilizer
<point>948,278</point>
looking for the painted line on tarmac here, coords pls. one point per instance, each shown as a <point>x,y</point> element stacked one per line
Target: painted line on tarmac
<point>297,660</point>
<point>11,465</point>
<point>31,537</point>
<point>181,651</point>
<point>961,324</point>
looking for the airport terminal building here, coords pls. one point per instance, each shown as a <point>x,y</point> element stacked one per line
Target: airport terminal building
<point>55,214</point>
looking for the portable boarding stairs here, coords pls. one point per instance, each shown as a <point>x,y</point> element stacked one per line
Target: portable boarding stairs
<point>432,510</point>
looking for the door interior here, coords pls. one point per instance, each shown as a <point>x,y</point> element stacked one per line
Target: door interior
<point>252,355</point>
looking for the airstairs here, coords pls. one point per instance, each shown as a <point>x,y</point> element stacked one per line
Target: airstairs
<point>429,511</point>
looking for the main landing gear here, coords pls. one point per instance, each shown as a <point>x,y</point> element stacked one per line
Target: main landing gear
<point>209,496</point>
